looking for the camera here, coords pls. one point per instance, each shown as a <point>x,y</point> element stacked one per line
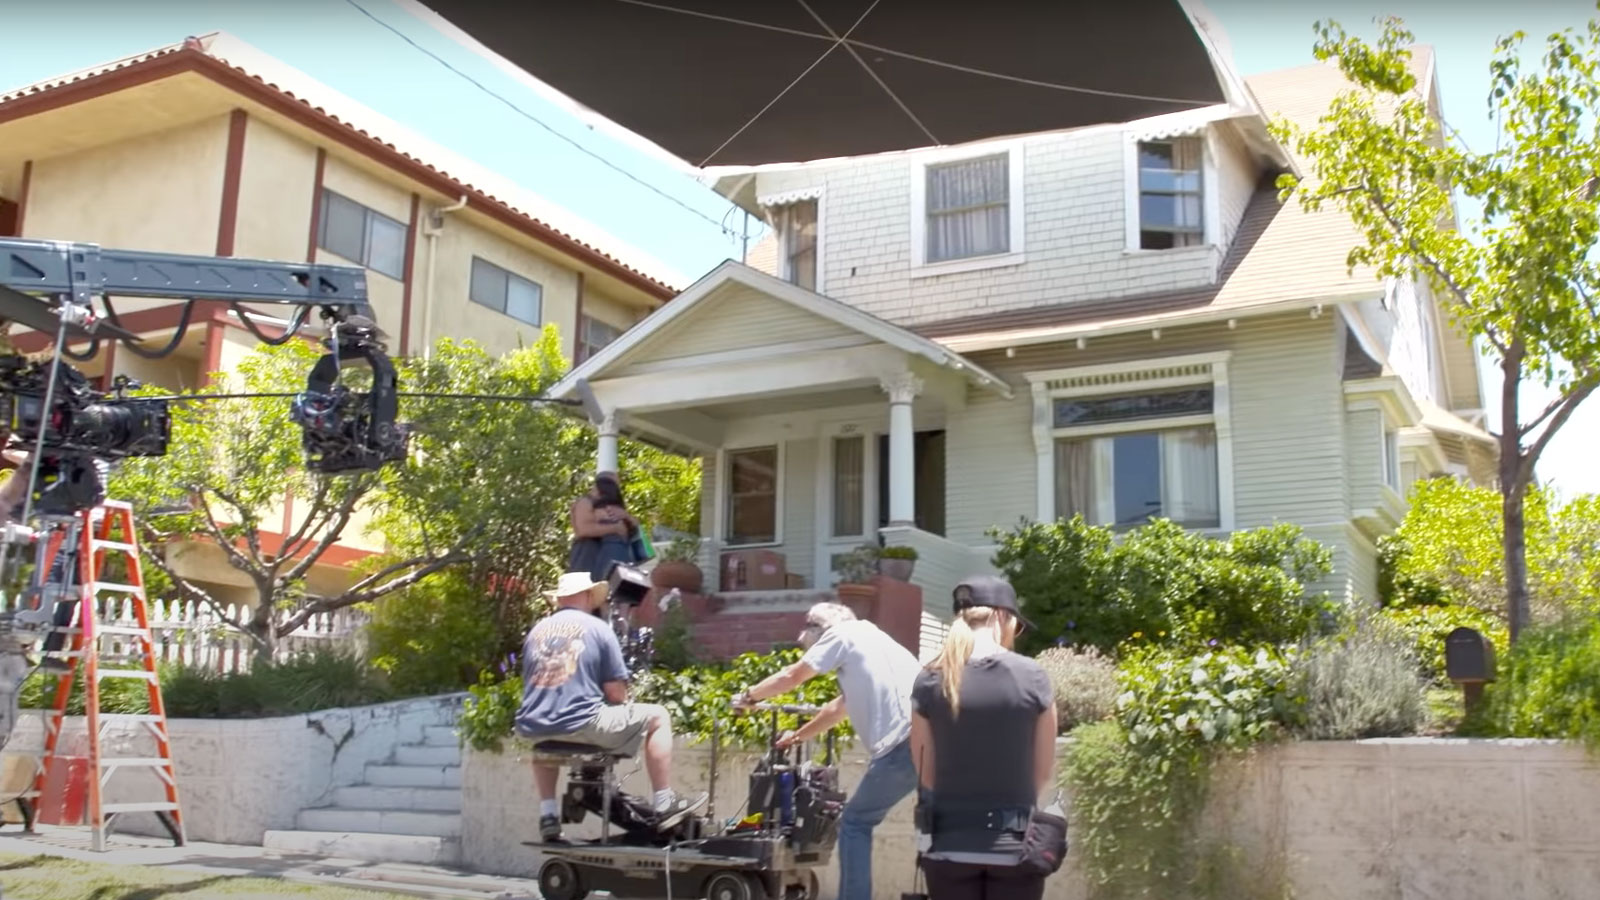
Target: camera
<point>343,430</point>
<point>626,588</point>
<point>80,419</point>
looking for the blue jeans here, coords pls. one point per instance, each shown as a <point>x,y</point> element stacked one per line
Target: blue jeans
<point>889,779</point>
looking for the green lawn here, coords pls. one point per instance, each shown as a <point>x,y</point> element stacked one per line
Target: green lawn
<point>54,878</point>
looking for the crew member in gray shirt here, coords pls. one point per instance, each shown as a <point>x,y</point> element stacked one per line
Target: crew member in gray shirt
<point>876,675</point>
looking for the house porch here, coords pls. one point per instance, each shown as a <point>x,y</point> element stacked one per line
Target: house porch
<point>821,429</point>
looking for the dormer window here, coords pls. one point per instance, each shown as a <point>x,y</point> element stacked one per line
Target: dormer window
<point>1171,193</point>
<point>796,226</point>
<point>966,209</point>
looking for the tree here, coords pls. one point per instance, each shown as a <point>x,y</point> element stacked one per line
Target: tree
<point>1524,283</point>
<point>1447,552</point>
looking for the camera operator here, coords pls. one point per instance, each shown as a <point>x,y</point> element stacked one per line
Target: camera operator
<point>575,688</point>
<point>983,739</point>
<point>875,679</point>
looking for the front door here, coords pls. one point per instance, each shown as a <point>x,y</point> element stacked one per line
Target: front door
<point>928,453</point>
<point>847,513</point>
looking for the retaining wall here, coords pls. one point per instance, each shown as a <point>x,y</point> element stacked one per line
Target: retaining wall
<point>238,778</point>
<point>1401,819</point>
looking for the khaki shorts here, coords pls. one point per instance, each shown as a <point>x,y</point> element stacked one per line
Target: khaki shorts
<point>618,729</point>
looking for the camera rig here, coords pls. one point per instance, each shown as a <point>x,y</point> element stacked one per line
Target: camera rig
<point>73,430</point>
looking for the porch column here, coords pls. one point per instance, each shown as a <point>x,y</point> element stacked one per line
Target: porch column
<point>902,389</point>
<point>606,459</point>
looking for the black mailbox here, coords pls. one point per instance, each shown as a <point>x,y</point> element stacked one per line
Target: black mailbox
<point>1468,657</point>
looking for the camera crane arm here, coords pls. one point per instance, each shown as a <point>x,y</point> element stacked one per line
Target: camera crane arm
<point>73,274</point>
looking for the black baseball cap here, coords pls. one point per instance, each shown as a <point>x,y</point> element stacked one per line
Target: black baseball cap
<point>991,591</point>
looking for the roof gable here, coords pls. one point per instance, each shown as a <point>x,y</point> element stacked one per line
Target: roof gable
<point>735,309</point>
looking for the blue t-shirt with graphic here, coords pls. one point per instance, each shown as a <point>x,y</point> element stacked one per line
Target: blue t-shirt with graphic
<point>566,658</point>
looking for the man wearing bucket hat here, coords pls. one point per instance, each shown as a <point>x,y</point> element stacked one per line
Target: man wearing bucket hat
<point>575,689</point>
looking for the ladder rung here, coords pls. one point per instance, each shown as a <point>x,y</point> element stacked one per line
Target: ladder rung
<point>112,545</point>
<point>131,717</point>
<point>135,762</point>
<point>127,673</point>
<point>158,806</point>
<point>117,588</point>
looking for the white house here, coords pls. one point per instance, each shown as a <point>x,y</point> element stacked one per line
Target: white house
<point>1117,321</point>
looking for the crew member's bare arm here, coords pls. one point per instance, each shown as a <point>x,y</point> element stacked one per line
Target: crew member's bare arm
<point>616,692</point>
<point>587,522</point>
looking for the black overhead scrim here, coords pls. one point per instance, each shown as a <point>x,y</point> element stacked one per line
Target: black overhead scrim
<point>747,82</point>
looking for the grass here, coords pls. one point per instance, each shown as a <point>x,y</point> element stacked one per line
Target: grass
<point>55,878</point>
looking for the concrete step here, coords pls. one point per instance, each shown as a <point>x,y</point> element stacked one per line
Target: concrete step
<point>424,755</point>
<point>396,848</point>
<point>421,799</point>
<point>414,776</point>
<point>441,736</point>
<point>381,821</point>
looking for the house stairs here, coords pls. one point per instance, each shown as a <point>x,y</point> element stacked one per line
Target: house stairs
<point>407,810</point>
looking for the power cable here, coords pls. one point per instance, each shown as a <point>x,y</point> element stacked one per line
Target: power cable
<point>726,232</point>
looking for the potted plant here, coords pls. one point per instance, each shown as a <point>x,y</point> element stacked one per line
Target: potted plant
<point>676,567</point>
<point>897,562</point>
<point>856,570</point>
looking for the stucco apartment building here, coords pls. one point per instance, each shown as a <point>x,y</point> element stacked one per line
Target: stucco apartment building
<point>212,147</point>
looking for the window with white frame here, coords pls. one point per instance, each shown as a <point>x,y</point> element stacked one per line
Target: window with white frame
<point>1121,446</point>
<point>1391,458</point>
<point>752,511</point>
<point>361,235</point>
<point>796,227</point>
<point>1171,193</point>
<point>967,205</point>
<point>593,335</point>
<point>849,485</point>
<point>505,291</point>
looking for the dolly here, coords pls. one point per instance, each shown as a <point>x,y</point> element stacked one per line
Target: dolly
<point>772,853</point>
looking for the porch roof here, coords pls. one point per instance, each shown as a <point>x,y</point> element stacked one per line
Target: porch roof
<point>756,339</point>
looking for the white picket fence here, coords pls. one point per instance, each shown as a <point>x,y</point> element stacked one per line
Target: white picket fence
<point>192,633</point>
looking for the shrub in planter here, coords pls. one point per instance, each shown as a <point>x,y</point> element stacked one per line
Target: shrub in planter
<point>897,562</point>
<point>1361,685</point>
<point>676,567</point>
<point>1549,684</point>
<point>1085,685</point>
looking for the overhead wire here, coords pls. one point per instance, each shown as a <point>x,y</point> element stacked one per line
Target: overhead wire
<point>726,232</point>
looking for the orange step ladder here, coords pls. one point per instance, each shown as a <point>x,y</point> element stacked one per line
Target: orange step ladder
<point>67,786</point>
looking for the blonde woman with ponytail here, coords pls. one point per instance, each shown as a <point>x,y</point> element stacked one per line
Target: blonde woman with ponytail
<point>983,732</point>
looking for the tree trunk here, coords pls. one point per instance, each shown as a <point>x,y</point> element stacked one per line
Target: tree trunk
<point>1514,541</point>
<point>1513,489</point>
<point>263,627</point>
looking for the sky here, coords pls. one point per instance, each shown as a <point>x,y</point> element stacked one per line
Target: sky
<point>644,201</point>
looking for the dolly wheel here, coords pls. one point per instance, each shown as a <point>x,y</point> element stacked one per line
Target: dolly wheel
<point>734,886</point>
<point>558,880</point>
